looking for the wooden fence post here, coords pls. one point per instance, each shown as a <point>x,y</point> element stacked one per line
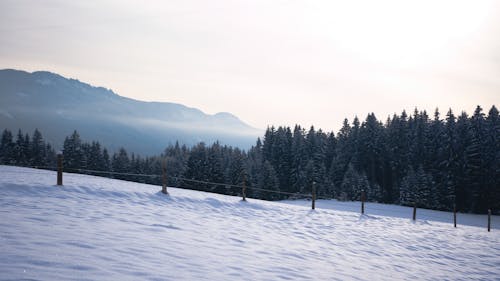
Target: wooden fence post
<point>164,176</point>
<point>243,189</point>
<point>59,169</point>
<point>313,195</point>
<point>489,220</point>
<point>455,215</point>
<point>415,210</point>
<point>363,198</point>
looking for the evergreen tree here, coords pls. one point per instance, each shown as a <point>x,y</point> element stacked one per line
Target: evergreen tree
<point>19,151</point>
<point>27,154</point>
<point>50,156</point>
<point>73,152</point>
<point>397,143</point>
<point>121,164</point>
<point>269,181</point>
<point>215,169</point>
<point>94,157</point>
<point>176,159</point>
<point>408,188</point>
<point>491,150</point>
<point>299,161</point>
<point>7,153</point>
<point>254,168</point>
<point>371,149</point>
<point>315,169</point>
<point>417,187</point>
<point>426,191</point>
<point>475,163</point>
<point>462,141</point>
<point>353,184</point>
<point>283,157</point>
<point>38,153</point>
<point>197,168</point>
<point>330,150</point>
<point>268,144</point>
<point>237,174</point>
<point>449,164</point>
<point>343,154</point>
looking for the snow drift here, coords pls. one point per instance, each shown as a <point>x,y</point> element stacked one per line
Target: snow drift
<point>102,229</point>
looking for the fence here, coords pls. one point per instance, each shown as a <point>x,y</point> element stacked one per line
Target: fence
<point>242,187</point>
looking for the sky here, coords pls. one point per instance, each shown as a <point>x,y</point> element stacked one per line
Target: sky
<point>268,62</point>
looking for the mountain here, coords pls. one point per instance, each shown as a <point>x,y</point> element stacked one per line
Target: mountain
<point>57,105</point>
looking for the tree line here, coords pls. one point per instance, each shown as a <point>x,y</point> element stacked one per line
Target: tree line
<point>433,162</point>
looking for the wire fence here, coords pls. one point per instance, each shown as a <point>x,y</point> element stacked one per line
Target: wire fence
<point>182,179</point>
<point>240,187</point>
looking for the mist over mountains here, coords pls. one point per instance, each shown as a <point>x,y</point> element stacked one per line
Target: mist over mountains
<point>57,105</point>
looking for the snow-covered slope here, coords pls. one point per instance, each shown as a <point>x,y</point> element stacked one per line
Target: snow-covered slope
<point>101,229</point>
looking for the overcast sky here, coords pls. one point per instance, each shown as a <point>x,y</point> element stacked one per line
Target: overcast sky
<point>268,62</point>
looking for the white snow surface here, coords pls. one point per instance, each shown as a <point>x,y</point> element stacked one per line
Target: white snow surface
<point>95,228</point>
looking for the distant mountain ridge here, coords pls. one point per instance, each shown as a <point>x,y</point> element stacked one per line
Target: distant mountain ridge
<point>57,105</point>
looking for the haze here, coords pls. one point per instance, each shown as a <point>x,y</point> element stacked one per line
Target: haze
<point>268,62</point>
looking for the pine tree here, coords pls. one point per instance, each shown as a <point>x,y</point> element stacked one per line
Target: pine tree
<point>176,159</point>
<point>19,152</point>
<point>73,152</point>
<point>105,165</point>
<point>236,171</point>
<point>283,157</point>
<point>7,153</point>
<point>38,152</point>
<point>425,191</point>
<point>315,144</point>
<point>268,144</point>
<point>418,130</point>
<point>491,146</point>
<point>462,141</point>
<point>330,150</point>
<point>343,157</point>
<point>254,163</point>
<point>50,156</point>
<point>121,163</point>
<point>475,163</point>
<point>353,184</point>
<point>94,157</point>
<point>215,169</point>
<point>418,187</point>
<point>450,164</point>
<point>371,151</point>
<point>299,161</point>
<point>269,181</point>
<point>197,168</point>
<point>408,188</point>
<point>27,153</point>
<point>435,160</point>
<point>397,152</point>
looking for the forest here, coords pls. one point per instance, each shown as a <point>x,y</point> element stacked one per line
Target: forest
<point>434,162</point>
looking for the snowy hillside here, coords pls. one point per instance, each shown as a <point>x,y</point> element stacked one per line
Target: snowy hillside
<point>101,229</point>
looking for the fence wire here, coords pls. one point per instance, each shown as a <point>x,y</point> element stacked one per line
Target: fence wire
<point>301,195</point>
<point>82,171</point>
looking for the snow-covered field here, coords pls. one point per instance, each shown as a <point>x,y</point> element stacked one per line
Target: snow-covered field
<point>101,229</point>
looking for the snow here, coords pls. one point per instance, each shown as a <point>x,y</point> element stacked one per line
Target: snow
<point>95,228</point>
<point>388,210</point>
